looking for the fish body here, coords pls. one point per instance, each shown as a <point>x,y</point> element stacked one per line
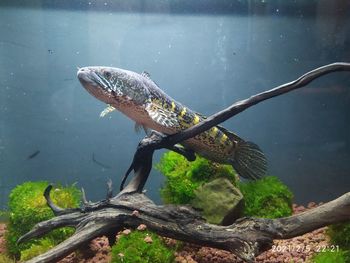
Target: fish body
<point>139,97</point>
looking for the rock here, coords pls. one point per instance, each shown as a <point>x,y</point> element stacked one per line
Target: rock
<point>142,227</point>
<point>311,205</point>
<point>126,232</point>
<point>148,240</point>
<point>135,213</point>
<point>219,200</point>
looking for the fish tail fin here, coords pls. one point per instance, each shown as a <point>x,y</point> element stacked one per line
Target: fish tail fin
<point>249,161</point>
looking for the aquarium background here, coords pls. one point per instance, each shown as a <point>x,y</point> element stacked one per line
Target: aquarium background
<point>205,54</point>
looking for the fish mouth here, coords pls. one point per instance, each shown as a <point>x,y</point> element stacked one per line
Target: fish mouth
<point>95,83</point>
<point>91,76</point>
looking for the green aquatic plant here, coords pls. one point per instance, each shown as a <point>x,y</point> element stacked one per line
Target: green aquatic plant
<point>330,256</point>
<point>183,177</point>
<point>339,235</point>
<point>267,197</point>
<point>27,206</point>
<point>34,250</point>
<point>4,216</point>
<point>6,259</point>
<point>141,247</point>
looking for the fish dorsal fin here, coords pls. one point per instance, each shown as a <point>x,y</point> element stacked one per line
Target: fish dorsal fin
<point>201,115</point>
<point>162,116</point>
<point>146,74</point>
<point>232,136</point>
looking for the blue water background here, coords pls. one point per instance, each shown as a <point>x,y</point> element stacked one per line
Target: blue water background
<point>207,60</point>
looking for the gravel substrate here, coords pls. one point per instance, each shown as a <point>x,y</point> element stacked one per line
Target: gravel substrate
<point>2,238</point>
<point>298,249</point>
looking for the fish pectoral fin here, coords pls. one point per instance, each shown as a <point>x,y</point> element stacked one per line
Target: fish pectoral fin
<point>138,127</point>
<point>161,116</point>
<point>107,110</point>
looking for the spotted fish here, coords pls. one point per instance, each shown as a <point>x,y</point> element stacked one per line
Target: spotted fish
<point>140,98</point>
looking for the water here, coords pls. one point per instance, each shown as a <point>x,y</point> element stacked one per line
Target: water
<point>206,56</point>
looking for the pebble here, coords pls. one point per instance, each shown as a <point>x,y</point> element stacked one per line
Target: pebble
<point>141,227</point>
<point>148,240</point>
<point>126,231</point>
<point>135,213</point>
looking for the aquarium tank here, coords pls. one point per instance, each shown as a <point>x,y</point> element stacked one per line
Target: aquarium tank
<point>205,54</point>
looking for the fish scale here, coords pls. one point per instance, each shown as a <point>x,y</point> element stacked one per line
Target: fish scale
<point>186,118</point>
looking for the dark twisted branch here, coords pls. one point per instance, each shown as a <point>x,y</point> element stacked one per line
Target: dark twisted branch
<point>242,105</point>
<point>159,142</point>
<point>247,237</point>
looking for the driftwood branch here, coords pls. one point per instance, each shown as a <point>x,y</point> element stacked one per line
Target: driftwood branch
<point>242,105</point>
<point>147,146</point>
<point>247,237</point>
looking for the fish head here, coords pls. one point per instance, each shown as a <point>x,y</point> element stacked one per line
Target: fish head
<point>111,85</point>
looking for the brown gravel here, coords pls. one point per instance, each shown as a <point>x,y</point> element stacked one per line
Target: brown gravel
<point>2,238</point>
<point>298,249</point>
<point>96,252</point>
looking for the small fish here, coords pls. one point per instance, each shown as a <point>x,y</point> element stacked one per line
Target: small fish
<point>33,155</point>
<point>139,97</point>
<point>99,163</point>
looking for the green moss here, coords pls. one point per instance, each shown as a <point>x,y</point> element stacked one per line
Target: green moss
<point>4,216</point>
<point>340,235</point>
<point>338,256</point>
<point>37,249</point>
<point>132,248</point>
<point>267,197</point>
<point>6,259</point>
<point>183,177</point>
<point>27,206</point>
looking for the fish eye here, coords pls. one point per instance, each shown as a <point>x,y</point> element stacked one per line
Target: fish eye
<point>107,74</point>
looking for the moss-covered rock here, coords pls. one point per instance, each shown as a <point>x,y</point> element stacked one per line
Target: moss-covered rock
<point>267,197</point>
<point>183,177</point>
<point>141,247</point>
<point>27,206</point>
<point>218,200</point>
